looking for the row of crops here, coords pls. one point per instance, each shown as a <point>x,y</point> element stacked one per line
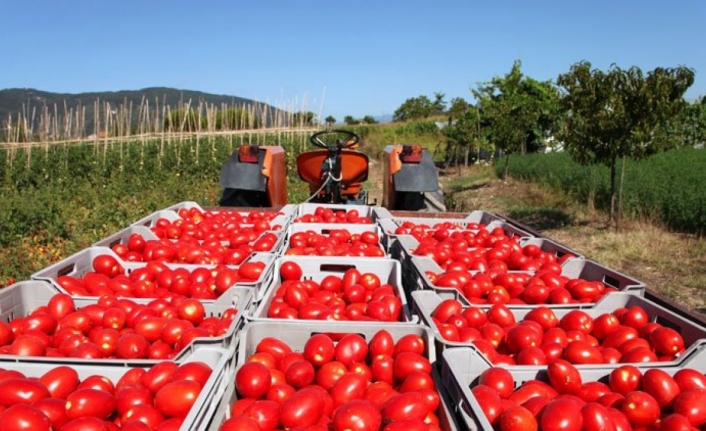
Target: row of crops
<point>332,317</point>
<point>666,188</point>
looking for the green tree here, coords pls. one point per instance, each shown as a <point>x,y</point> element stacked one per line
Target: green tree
<point>459,106</point>
<point>236,119</point>
<point>415,108</point>
<point>303,119</point>
<point>439,104</point>
<point>690,126</point>
<point>465,133</point>
<point>519,112</point>
<point>620,113</point>
<point>369,119</point>
<point>330,120</point>
<point>182,120</point>
<point>350,121</point>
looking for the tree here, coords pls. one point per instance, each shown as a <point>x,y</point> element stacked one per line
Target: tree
<point>303,119</point>
<point>369,119</point>
<point>330,120</point>
<point>459,106</point>
<point>236,119</point>
<point>439,104</point>
<point>690,126</point>
<point>519,112</point>
<point>350,121</point>
<point>620,114</point>
<point>415,108</point>
<point>465,133</point>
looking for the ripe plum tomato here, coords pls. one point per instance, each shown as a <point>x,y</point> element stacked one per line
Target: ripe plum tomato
<point>24,417</point>
<point>253,380</point>
<point>319,349</point>
<point>640,408</point>
<point>561,414</point>
<point>564,377</point>
<point>176,398</point>
<point>290,271</point>
<point>517,418</point>
<point>498,379</point>
<point>303,409</point>
<point>357,415</point>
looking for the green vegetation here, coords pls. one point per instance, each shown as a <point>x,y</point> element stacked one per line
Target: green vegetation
<point>65,197</point>
<point>666,188</point>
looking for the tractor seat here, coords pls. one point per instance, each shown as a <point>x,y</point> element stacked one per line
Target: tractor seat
<point>354,167</point>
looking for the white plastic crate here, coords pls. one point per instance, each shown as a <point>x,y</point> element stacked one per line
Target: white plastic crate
<point>326,229</point>
<point>373,213</point>
<point>80,263</point>
<point>316,268</point>
<point>425,301</point>
<point>19,299</point>
<point>203,407</point>
<point>461,368</point>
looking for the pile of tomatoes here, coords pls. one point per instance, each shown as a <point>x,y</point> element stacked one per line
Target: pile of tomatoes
<point>328,215</point>
<point>354,296</point>
<point>111,328</point>
<point>628,399</point>
<point>157,280</point>
<point>624,335</point>
<point>158,399</point>
<point>232,251</point>
<point>500,287</point>
<point>336,242</point>
<point>350,384</point>
<point>213,225</point>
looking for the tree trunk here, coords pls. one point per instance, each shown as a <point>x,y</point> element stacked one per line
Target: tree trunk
<point>467,155</point>
<point>612,190</point>
<point>620,196</point>
<point>507,163</point>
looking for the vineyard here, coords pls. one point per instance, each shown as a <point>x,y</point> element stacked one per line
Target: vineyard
<point>666,188</point>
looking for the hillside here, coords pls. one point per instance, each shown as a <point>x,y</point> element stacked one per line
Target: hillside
<point>14,101</point>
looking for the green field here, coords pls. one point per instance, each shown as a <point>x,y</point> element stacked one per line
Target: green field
<point>667,188</point>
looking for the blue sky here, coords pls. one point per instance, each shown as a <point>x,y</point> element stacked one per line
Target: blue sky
<point>335,57</point>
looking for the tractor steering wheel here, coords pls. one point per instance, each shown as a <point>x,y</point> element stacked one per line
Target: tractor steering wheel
<point>351,139</point>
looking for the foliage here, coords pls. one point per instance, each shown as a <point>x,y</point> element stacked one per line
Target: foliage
<point>68,196</point>
<point>620,113</point>
<point>466,134</point>
<point>369,119</point>
<point>330,120</point>
<point>519,112</point>
<point>236,119</point>
<point>667,187</point>
<point>350,121</point>
<point>303,119</point>
<point>420,107</point>
<point>184,119</point>
<point>459,106</point>
<point>689,128</point>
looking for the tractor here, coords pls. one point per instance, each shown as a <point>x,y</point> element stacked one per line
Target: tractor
<point>255,176</point>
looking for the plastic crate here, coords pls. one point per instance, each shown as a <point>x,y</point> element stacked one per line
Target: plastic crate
<point>557,249</point>
<point>316,268</point>
<point>204,405</point>
<point>373,213</point>
<point>19,299</point>
<point>447,419</point>
<point>578,267</point>
<point>122,236</point>
<point>80,263</point>
<point>480,217</point>
<point>461,368</point>
<point>424,302</point>
<point>326,228</point>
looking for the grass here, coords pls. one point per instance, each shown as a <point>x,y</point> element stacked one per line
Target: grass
<point>669,263</point>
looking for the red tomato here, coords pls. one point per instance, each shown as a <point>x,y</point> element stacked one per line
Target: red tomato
<point>489,401</point>
<point>517,418</point>
<point>129,396</point>
<point>252,380</point>
<point>640,408</point>
<point>688,378</point>
<point>23,417</point>
<point>498,379</point>
<point>196,371</point>
<point>19,390</point>
<point>302,409</point>
<point>564,377</point>
<point>357,415</point>
<point>290,271</point>
<point>661,386</point>
<point>176,398</point>
<point>561,414</point>
<point>692,405</point>
<point>90,402</point>
<point>407,406</point>
<point>60,381</point>
<point>350,349</point>
<point>625,379</point>
<point>265,413</point>
<point>596,417</point>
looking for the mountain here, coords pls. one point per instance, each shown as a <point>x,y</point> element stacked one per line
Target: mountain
<point>14,101</point>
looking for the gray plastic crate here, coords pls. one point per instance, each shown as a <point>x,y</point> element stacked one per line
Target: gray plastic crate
<point>122,236</point>
<point>447,419</point>
<point>204,405</point>
<point>363,210</point>
<point>546,245</point>
<point>316,268</point>
<point>19,299</point>
<point>461,368</point>
<point>326,229</point>
<point>80,263</point>
<point>577,267</point>
<point>425,301</point>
